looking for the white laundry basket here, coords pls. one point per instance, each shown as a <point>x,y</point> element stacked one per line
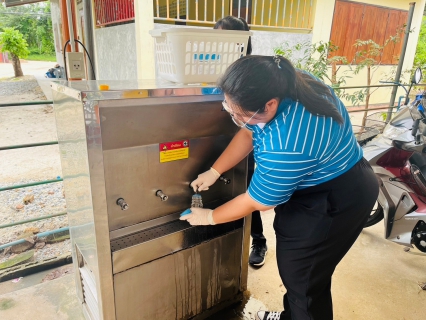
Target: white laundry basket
<point>194,55</point>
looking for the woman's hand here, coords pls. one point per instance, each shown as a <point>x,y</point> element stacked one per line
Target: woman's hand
<point>198,217</point>
<point>205,180</point>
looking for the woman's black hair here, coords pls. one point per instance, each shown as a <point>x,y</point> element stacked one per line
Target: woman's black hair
<point>252,81</point>
<point>234,23</point>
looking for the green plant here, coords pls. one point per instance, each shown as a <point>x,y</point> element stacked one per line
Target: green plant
<point>368,56</point>
<point>420,57</point>
<point>314,58</point>
<point>42,57</point>
<point>12,41</point>
<point>33,21</point>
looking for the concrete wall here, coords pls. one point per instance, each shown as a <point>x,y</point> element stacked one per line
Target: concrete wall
<point>116,52</point>
<point>322,30</point>
<point>264,42</point>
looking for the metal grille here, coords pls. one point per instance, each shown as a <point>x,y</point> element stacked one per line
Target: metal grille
<point>109,12</point>
<point>90,296</point>
<point>259,14</point>
<point>150,234</point>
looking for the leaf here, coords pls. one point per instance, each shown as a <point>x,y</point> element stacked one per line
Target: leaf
<point>12,41</point>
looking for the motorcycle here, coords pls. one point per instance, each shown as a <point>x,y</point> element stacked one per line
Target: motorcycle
<point>398,158</point>
<point>55,72</point>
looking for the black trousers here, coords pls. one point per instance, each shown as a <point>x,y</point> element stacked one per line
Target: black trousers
<point>256,220</point>
<point>314,230</point>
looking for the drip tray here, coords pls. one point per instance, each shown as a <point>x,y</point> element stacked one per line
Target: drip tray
<point>150,234</point>
<point>150,244</point>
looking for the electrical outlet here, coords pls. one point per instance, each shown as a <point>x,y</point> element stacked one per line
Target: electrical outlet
<point>75,65</point>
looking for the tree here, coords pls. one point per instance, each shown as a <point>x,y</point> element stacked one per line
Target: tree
<point>34,22</point>
<point>12,41</point>
<point>420,57</point>
<point>368,55</point>
<point>314,58</point>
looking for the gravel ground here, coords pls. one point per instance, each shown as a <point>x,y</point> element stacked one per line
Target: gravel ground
<point>20,125</point>
<point>48,199</point>
<point>20,86</point>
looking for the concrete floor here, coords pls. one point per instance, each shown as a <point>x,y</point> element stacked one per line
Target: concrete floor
<point>35,68</point>
<point>29,299</point>
<point>376,280</point>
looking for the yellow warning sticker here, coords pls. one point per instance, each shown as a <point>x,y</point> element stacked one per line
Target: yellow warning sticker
<point>172,151</point>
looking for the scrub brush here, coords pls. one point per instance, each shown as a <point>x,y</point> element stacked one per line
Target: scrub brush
<point>197,201</point>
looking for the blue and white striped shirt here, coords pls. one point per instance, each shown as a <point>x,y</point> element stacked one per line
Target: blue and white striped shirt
<point>298,149</point>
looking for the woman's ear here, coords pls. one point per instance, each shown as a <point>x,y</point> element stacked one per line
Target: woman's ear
<point>272,106</point>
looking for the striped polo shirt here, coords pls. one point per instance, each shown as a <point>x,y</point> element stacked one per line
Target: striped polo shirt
<point>297,150</point>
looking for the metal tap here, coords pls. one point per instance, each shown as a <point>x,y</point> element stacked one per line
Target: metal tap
<point>162,196</point>
<point>123,204</point>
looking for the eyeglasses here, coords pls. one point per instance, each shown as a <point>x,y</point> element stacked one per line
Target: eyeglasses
<point>237,121</point>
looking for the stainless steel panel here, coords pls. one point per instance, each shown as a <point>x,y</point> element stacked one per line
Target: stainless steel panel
<point>73,150</point>
<point>130,140</point>
<point>82,168</point>
<point>140,125</point>
<point>144,246</point>
<point>186,283</point>
<point>136,174</point>
<point>245,246</point>
<point>109,144</point>
<point>130,89</point>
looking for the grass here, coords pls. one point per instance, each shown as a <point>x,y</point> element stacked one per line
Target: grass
<point>41,57</point>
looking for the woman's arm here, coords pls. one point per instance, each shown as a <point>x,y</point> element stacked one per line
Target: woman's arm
<point>239,147</point>
<point>237,208</point>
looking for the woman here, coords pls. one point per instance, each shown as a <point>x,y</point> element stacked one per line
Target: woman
<point>234,23</point>
<point>259,247</point>
<point>309,167</point>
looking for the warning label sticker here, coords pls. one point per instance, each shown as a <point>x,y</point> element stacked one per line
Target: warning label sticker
<point>176,150</point>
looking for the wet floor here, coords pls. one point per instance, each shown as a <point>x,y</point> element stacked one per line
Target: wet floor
<point>245,310</point>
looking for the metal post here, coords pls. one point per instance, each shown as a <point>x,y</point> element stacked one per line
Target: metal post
<point>32,220</point>
<point>25,103</point>
<point>70,25</point>
<point>401,60</point>
<point>29,145</point>
<point>88,35</point>
<point>39,235</point>
<point>19,186</point>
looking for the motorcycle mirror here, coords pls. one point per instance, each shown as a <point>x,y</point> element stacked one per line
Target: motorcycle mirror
<point>417,77</point>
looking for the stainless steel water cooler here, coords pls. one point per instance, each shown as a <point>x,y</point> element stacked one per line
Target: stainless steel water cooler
<point>128,155</point>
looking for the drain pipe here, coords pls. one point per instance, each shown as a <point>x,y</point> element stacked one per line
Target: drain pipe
<point>39,235</point>
<point>401,61</point>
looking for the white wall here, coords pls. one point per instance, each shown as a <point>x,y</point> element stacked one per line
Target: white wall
<point>116,52</point>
